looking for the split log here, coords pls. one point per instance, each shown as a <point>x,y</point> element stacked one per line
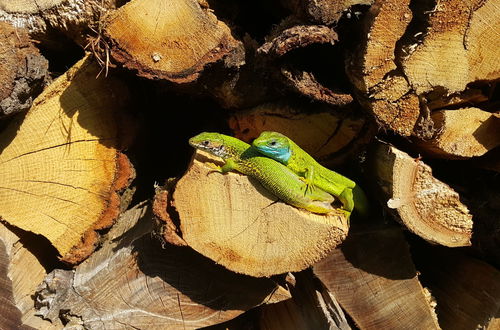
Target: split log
<point>373,68</point>
<point>460,46</point>
<point>60,174</point>
<point>20,273</point>
<point>425,205</point>
<point>171,40</point>
<point>467,290</point>
<point>329,136</point>
<point>133,281</point>
<point>408,54</point>
<point>24,71</point>
<point>462,133</point>
<point>74,18</point>
<point>311,307</point>
<point>374,279</point>
<point>234,221</point>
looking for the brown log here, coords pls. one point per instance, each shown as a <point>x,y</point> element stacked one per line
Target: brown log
<point>60,175</point>
<point>234,221</point>
<point>460,46</point>
<point>168,40</point>
<point>374,280</point>
<point>133,281</point>
<point>374,71</point>
<point>427,206</point>
<point>298,80</point>
<point>20,273</point>
<point>74,18</point>
<point>467,290</point>
<point>24,71</point>
<point>311,307</point>
<point>328,135</point>
<point>462,133</point>
<point>322,11</point>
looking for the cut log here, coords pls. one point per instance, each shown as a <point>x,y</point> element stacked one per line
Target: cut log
<point>234,221</point>
<point>425,205</point>
<point>311,307</point>
<point>298,38</point>
<point>373,68</point>
<point>329,136</point>
<point>20,273</point>
<point>60,174</point>
<point>133,281</point>
<point>171,40</point>
<point>463,133</point>
<point>467,290</point>
<point>322,11</point>
<point>74,18</point>
<point>24,71</point>
<point>460,46</point>
<point>374,280</point>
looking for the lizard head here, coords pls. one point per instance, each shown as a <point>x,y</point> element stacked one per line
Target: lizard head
<point>210,142</point>
<point>214,143</point>
<point>274,145</point>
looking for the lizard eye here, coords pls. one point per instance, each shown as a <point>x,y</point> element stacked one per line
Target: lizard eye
<point>205,142</point>
<point>272,143</point>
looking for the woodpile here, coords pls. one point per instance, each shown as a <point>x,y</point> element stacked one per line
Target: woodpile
<point>109,219</point>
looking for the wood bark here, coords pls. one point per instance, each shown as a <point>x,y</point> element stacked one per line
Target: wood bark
<point>24,71</point>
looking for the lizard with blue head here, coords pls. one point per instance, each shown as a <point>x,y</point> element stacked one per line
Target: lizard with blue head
<point>282,149</point>
<point>274,176</point>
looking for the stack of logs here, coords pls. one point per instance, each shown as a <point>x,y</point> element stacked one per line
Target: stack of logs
<point>105,223</point>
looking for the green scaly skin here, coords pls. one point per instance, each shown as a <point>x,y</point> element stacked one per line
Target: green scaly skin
<point>277,146</point>
<point>274,176</point>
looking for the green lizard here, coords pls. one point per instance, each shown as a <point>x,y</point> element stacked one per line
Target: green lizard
<point>274,176</point>
<point>279,147</point>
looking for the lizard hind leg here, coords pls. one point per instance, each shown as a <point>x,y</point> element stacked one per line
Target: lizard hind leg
<point>347,199</point>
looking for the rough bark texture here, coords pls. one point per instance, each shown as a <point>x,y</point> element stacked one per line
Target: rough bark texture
<point>74,18</point>
<point>24,71</point>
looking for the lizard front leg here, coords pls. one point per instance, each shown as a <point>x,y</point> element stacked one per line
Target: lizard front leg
<point>228,166</point>
<point>307,178</point>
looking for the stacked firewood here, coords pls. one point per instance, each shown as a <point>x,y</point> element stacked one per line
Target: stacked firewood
<point>110,220</point>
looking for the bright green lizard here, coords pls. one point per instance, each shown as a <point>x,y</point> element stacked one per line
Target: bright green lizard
<point>274,176</point>
<point>279,147</point>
